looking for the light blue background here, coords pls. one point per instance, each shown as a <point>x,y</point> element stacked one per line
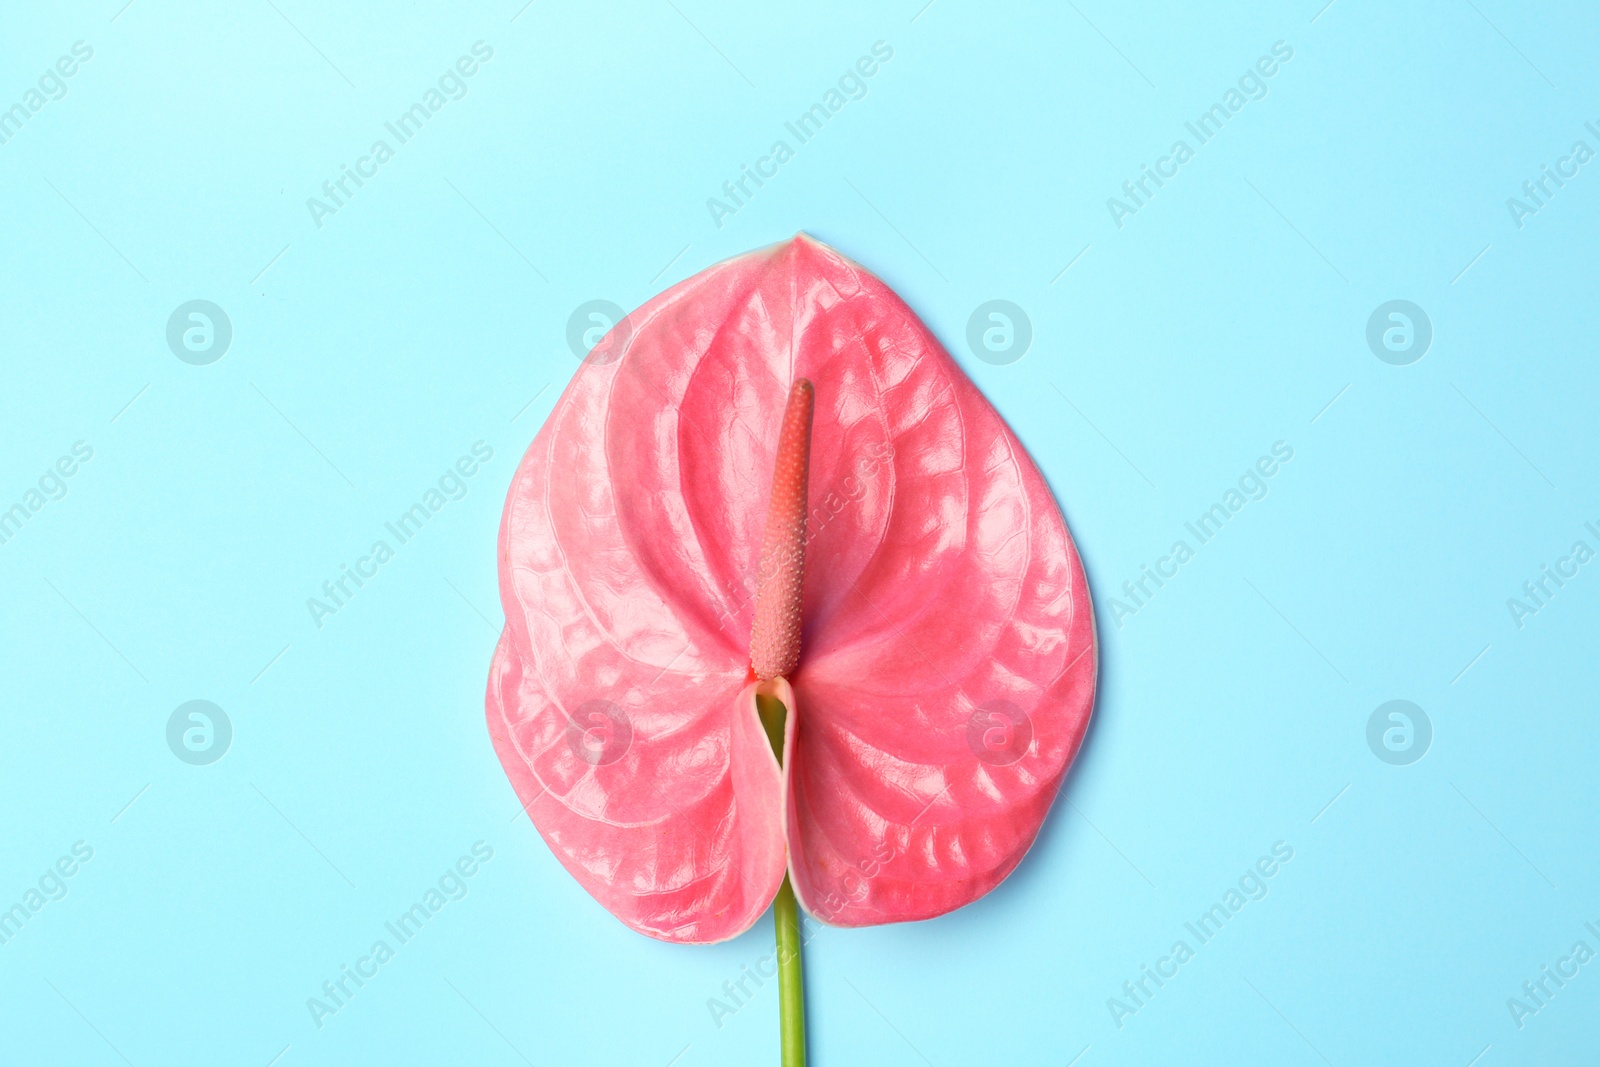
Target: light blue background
<point>430,312</point>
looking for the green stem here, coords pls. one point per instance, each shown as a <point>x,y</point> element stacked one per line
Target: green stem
<point>791,989</point>
<point>786,918</point>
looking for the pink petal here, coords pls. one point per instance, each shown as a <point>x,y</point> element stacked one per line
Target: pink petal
<point>941,590</point>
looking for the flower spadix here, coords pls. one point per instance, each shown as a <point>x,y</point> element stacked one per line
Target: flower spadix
<point>783,483</point>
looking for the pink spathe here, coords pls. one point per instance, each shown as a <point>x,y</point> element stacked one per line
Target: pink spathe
<point>947,665</point>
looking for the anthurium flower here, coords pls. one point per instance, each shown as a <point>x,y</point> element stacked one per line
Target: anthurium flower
<point>770,485</point>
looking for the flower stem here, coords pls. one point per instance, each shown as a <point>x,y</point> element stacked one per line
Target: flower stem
<point>791,989</point>
<point>786,918</point>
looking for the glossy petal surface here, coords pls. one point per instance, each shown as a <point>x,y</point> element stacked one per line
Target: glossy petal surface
<point>947,669</point>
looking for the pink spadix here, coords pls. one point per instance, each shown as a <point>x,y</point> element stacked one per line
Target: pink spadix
<point>670,542</point>
<point>780,580</point>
